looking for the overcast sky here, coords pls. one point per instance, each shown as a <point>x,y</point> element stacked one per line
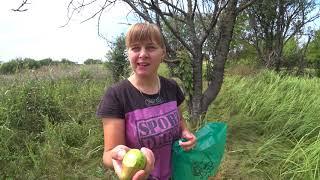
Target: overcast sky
<point>37,34</point>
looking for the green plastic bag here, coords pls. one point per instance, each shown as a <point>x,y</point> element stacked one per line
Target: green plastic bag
<point>204,159</point>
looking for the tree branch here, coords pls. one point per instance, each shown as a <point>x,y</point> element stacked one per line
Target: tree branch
<point>173,31</point>
<point>174,7</point>
<point>216,13</point>
<point>245,5</point>
<point>136,10</point>
<point>19,9</point>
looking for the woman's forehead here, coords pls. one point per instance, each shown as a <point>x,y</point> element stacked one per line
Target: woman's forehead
<point>145,42</point>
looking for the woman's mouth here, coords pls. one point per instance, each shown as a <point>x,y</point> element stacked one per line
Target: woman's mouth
<point>144,64</point>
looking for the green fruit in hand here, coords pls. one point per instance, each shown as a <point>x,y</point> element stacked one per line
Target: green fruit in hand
<point>133,161</point>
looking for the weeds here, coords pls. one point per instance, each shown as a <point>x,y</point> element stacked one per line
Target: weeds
<point>48,128</point>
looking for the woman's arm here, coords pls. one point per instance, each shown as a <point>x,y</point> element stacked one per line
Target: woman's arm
<point>115,148</point>
<point>114,135</point>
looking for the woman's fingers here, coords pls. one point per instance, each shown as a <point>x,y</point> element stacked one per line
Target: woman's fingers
<point>119,151</point>
<point>150,160</point>
<point>140,175</point>
<point>190,141</point>
<point>117,155</point>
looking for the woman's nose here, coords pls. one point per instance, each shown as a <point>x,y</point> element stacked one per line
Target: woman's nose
<point>143,52</point>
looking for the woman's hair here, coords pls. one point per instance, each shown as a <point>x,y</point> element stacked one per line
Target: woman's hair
<point>144,32</point>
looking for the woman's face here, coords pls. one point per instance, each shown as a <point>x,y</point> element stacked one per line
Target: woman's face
<point>145,57</point>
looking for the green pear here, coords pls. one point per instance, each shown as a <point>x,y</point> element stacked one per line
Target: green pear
<point>133,161</point>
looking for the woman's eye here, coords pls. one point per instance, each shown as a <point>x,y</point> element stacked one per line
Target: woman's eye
<point>135,48</point>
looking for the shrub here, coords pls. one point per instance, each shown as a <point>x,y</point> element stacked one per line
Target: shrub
<point>29,104</point>
<point>31,64</point>
<point>47,62</point>
<point>66,61</point>
<point>118,63</point>
<point>92,61</point>
<point>8,68</point>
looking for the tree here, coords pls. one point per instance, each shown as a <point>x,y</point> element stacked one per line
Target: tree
<point>92,61</point>
<point>117,59</point>
<point>274,22</point>
<point>313,52</point>
<point>199,21</point>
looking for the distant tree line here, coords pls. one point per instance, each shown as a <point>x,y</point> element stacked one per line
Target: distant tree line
<point>18,64</point>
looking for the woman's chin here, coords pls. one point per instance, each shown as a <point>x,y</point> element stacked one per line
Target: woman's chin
<point>143,73</point>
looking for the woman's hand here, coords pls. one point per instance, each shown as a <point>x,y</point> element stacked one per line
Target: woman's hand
<point>143,174</point>
<point>190,140</point>
<point>117,155</point>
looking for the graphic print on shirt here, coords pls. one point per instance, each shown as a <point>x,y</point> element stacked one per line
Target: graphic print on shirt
<point>154,127</point>
<point>158,131</point>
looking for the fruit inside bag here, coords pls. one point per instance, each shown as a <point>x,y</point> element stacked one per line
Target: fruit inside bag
<point>204,159</point>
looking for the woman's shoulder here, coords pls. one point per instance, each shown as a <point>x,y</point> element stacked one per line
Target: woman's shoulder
<point>169,81</point>
<point>119,86</point>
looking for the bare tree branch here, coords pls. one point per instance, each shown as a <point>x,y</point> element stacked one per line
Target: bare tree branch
<point>19,9</point>
<point>175,7</point>
<point>136,10</point>
<point>214,20</point>
<point>245,5</point>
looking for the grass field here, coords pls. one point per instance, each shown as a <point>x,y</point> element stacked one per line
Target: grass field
<point>48,128</point>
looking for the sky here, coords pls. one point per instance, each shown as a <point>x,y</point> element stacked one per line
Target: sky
<point>37,32</point>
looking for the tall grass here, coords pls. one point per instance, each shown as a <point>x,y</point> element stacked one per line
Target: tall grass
<point>283,111</point>
<point>48,128</point>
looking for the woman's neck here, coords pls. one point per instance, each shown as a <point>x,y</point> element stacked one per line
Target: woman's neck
<point>148,85</point>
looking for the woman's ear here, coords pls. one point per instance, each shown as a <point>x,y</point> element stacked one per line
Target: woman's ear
<point>163,55</point>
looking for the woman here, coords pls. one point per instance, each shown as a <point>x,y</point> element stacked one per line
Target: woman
<point>143,111</point>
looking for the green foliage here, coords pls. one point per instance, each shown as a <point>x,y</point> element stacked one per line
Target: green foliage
<point>47,62</point>
<point>273,127</point>
<point>48,127</point>
<point>66,61</point>
<point>92,61</point>
<point>313,52</point>
<point>28,104</point>
<point>314,48</point>
<point>240,48</point>
<point>277,116</point>
<point>291,53</point>
<point>12,66</point>
<point>31,63</point>
<point>18,65</point>
<point>118,62</point>
<point>163,70</point>
<point>184,71</point>
<point>85,74</point>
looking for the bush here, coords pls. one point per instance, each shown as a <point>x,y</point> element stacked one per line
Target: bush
<point>31,64</point>
<point>67,62</point>
<point>47,62</point>
<point>118,62</point>
<point>19,64</point>
<point>29,104</point>
<point>92,61</point>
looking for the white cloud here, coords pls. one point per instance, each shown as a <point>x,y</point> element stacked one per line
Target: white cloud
<point>37,34</point>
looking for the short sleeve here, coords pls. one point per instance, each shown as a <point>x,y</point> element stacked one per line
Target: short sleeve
<point>110,105</point>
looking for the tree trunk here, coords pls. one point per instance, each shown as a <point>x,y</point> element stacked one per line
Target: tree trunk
<point>279,35</point>
<point>195,98</point>
<point>226,26</point>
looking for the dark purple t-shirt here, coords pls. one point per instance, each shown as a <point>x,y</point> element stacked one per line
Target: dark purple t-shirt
<point>151,121</point>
